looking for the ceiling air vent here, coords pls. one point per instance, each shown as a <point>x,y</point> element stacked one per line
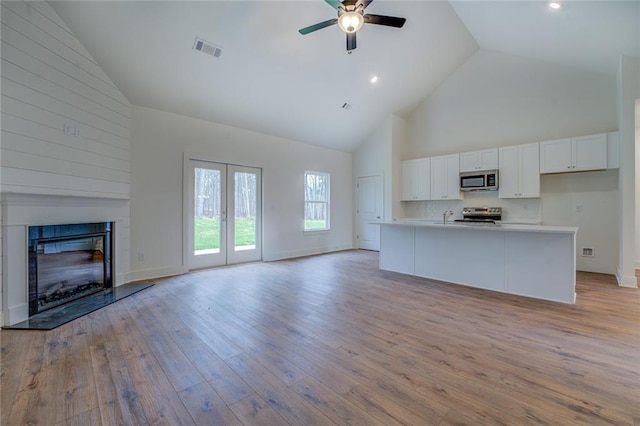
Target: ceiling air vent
<point>207,48</point>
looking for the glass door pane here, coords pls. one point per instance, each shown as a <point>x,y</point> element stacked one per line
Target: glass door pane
<point>245,211</point>
<point>206,211</point>
<point>244,226</point>
<point>208,208</point>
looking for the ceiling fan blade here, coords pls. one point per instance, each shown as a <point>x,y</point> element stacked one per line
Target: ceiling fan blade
<point>336,4</point>
<point>318,26</point>
<point>365,3</point>
<point>351,41</point>
<point>389,21</point>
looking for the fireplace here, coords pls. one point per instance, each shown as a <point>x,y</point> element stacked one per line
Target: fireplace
<point>68,262</point>
<point>21,212</point>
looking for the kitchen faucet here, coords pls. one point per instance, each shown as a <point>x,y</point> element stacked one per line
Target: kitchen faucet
<point>446,215</point>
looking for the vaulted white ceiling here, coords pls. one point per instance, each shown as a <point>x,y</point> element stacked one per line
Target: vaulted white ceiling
<point>271,79</point>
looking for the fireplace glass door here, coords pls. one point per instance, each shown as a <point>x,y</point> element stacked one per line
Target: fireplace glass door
<point>67,262</point>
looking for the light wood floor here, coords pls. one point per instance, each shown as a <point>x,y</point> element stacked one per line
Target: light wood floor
<point>331,340</point>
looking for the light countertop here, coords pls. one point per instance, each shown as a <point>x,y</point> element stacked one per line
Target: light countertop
<point>508,227</point>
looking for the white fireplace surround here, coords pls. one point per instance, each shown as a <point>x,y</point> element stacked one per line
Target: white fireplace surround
<point>19,211</point>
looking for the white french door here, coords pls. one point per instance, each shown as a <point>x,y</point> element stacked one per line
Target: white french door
<point>224,214</point>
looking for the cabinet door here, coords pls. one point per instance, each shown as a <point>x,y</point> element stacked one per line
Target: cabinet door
<point>424,179</point>
<point>453,177</point>
<point>590,152</point>
<point>469,161</point>
<point>519,171</point>
<point>489,159</point>
<point>509,172</point>
<point>530,171</point>
<point>479,160</point>
<point>439,178</point>
<point>555,156</point>
<point>409,180</point>
<point>613,151</point>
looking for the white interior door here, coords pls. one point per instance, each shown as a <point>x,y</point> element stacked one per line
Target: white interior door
<point>369,211</point>
<point>224,214</point>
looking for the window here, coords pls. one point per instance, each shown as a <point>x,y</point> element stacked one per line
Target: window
<point>316,201</point>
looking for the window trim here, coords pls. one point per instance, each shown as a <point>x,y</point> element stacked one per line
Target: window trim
<point>327,228</point>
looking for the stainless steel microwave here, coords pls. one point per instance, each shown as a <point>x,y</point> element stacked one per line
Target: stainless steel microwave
<point>479,181</point>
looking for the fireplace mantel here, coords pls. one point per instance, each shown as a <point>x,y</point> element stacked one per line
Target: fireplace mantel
<point>19,211</point>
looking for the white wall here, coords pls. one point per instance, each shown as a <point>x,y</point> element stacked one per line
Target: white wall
<point>637,183</point>
<point>495,100</point>
<point>381,152</point>
<point>49,81</point>
<point>596,194</point>
<point>398,145</point>
<point>159,140</point>
<point>374,155</point>
<point>628,92</point>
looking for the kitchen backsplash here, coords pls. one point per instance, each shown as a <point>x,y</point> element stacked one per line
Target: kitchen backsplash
<point>524,210</point>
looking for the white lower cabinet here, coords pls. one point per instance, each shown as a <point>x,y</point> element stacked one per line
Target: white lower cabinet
<point>519,172</point>
<point>528,260</point>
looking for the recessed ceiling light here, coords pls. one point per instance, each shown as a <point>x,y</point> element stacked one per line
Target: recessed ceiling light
<point>373,79</point>
<point>555,4</point>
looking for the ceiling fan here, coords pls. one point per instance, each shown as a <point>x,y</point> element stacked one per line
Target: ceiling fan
<point>350,19</point>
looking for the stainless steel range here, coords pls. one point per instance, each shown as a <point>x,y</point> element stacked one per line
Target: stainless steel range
<point>481,214</point>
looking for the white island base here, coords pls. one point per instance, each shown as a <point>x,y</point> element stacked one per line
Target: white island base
<point>527,260</point>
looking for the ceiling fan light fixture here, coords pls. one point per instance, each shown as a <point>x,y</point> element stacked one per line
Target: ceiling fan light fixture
<point>555,4</point>
<point>350,22</point>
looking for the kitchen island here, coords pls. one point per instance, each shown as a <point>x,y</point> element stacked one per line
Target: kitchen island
<point>528,260</point>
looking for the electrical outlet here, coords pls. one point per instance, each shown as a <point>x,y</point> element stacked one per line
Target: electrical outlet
<point>588,252</point>
<point>578,208</point>
<point>141,256</point>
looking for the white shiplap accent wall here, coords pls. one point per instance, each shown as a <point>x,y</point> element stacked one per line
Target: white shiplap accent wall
<point>49,81</point>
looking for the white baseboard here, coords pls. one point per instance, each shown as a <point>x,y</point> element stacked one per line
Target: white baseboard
<point>626,281</point>
<point>151,274</point>
<point>16,314</point>
<point>306,252</point>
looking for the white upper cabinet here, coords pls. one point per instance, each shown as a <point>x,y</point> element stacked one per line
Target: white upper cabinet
<point>613,151</point>
<point>416,175</point>
<point>445,177</point>
<point>519,172</point>
<point>574,154</point>
<point>479,160</point>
